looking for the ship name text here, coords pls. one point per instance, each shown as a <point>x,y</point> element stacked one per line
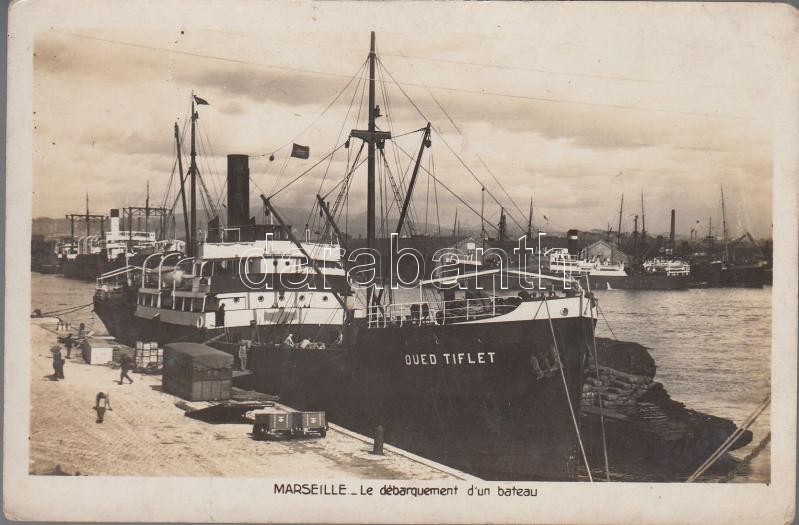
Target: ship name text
<point>460,358</point>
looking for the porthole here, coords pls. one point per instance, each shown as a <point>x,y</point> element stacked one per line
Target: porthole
<point>260,298</point>
<point>274,263</point>
<point>325,298</point>
<point>302,298</point>
<point>287,263</point>
<point>235,299</point>
<point>564,312</point>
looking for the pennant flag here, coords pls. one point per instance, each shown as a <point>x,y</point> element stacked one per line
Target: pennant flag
<point>300,152</point>
<point>200,101</point>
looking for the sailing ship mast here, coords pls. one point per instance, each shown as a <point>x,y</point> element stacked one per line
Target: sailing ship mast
<point>725,254</point>
<point>618,232</point>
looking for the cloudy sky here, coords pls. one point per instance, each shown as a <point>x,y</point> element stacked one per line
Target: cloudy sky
<point>569,106</point>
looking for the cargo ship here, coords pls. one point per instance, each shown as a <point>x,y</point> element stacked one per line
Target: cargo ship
<point>89,256</point>
<point>487,384</point>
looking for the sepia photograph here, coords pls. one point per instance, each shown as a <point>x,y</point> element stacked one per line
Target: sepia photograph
<point>440,262</point>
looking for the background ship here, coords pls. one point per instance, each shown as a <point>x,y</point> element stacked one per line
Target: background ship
<point>89,256</point>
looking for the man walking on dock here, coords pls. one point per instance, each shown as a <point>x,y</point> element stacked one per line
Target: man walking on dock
<point>58,362</point>
<point>125,365</point>
<point>68,342</point>
<point>101,403</point>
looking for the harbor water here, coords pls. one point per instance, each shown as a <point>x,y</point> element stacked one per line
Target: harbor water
<point>712,346</point>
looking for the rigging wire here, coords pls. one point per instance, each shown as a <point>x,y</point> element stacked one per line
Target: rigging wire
<point>468,206</point>
<point>208,198</point>
<point>390,121</point>
<point>439,134</point>
<point>492,65</point>
<point>220,188</point>
<point>301,175</point>
<point>329,105</point>
<point>443,88</point>
<point>435,192</point>
<point>568,396</point>
<point>341,131</point>
<point>596,366</point>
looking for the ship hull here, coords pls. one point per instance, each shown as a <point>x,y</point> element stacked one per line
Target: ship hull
<point>86,267</point>
<point>714,275</point>
<point>466,395</point>
<point>474,401</point>
<point>493,283</point>
<point>639,282</point>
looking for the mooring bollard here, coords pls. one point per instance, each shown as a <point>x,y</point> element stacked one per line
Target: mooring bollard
<point>379,435</point>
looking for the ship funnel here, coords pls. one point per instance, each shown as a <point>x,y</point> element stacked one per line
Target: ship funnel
<point>238,190</point>
<point>572,238</point>
<point>114,222</point>
<point>671,234</point>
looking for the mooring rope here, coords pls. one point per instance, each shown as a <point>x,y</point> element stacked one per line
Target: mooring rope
<point>724,447</point>
<point>748,459</point>
<point>601,402</point>
<point>599,309</point>
<point>63,311</point>
<point>568,396</point>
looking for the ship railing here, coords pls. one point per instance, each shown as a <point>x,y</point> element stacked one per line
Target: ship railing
<point>424,313</point>
<point>116,278</point>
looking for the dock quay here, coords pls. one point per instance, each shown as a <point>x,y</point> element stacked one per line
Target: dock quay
<point>148,434</point>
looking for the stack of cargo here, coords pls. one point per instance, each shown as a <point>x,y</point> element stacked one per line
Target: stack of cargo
<point>97,351</point>
<point>120,350</point>
<point>148,355</point>
<point>197,372</point>
<point>614,387</point>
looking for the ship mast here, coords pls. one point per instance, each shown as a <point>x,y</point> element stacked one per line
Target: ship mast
<point>530,221</point>
<point>643,218</point>
<point>618,233</point>
<point>147,210</point>
<point>182,186</point>
<point>375,140</point>
<point>193,185</point>
<point>370,197</point>
<point>725,254</point>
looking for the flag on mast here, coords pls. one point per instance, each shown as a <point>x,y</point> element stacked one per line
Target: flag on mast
<point>300,152</point>
<point>200,101</point>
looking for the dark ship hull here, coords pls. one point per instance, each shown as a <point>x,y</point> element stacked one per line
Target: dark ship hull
<point>466,395</point>
<point>639,282</point>
<point>495,283</point>
<point>492,416</point>
<point>715,275</point>
<point>88,267</point>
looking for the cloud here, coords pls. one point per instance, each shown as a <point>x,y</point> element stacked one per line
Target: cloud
<point>552,117</point>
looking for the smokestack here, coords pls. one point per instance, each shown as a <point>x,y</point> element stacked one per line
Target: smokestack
<point>238,190</point>
<point>571,235</point>
<point>114,222</point>
<point>671,234</point>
